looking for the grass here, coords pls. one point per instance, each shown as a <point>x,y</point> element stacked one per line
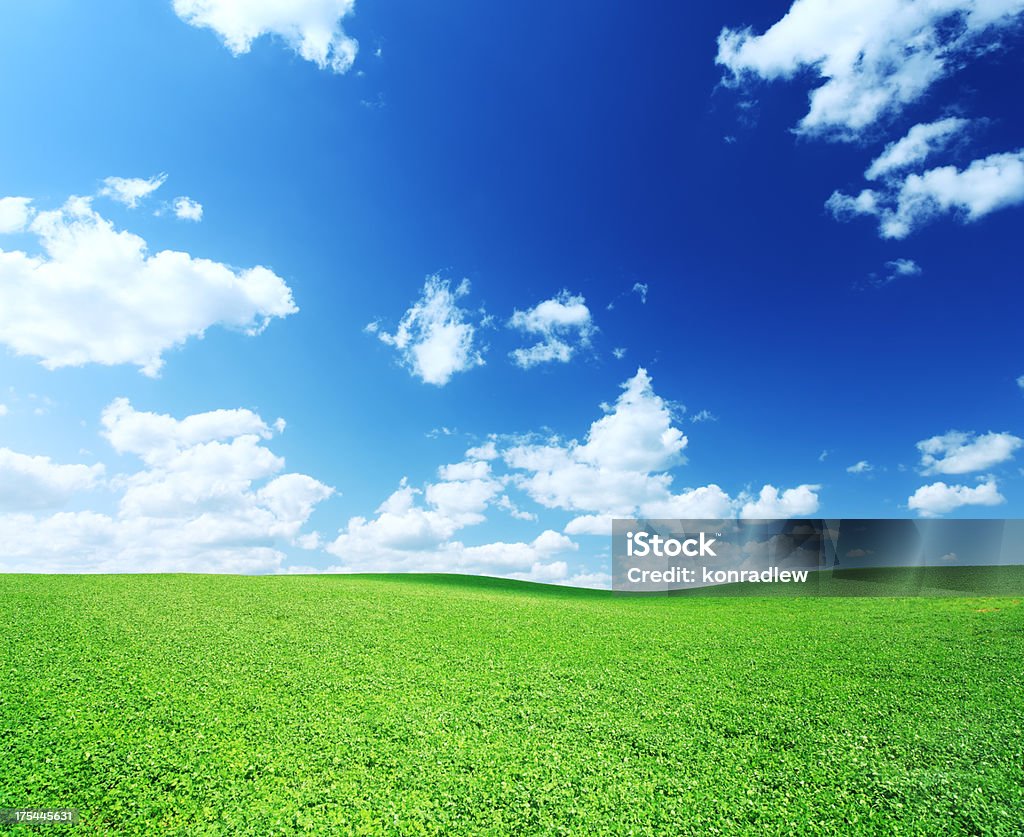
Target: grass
<point>1006,580</point>
<point>444,705</point>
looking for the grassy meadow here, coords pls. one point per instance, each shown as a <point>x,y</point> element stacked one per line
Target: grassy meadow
<point>200,705</point>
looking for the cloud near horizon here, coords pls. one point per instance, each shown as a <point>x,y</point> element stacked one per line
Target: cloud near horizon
<point>621,469</point>
<point>940,498</point>
<point>209,497</point>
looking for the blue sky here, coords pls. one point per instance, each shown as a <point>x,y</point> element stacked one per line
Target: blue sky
<point>653,181</point>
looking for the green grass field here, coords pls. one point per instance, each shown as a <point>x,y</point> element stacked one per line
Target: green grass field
<point>446,705</point>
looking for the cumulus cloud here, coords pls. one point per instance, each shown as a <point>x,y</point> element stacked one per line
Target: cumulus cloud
<point>413,531</point>
<point>37,482</point>
<point>434,339</point>
<point>874,58</point>
<point>1020,382</point>
<point>563,325</point>
<point>156,436</point>
<point>861,467</point>
<point>131,190</point>
<point>940,498</point>
<point>771,503</point>
<point>919,143</point>
<point>611,471</point>
<point>901,206</point>
<point>209,497</point>
<point>15,213</point>
<point>187,209</point>
<point>963,453</point>
<point>312,28</point>
<point>621,469</point>
<point>96,295</point>
<point>488,450</point>
<point>640,289</point>
<point>404,522</point>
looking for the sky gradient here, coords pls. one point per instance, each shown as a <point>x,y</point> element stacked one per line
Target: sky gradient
<point>749,259</point>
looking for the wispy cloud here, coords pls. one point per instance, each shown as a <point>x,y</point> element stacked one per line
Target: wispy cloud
<point>131,190</point>
<point>920,142</point>
<point>901,206</point>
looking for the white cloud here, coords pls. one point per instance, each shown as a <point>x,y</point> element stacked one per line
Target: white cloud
<point>563,323</point>
<point>36,482</point>
<point>707,501</point>
<point>210,497</point>
<point>458,499</point>
<point>96,295</point>
<point>874,58</point>
<point>590,524</point>
<point>15,213</point>
<point>618,353</point>
<point>433,338</point>
<point>488,450</point>
<point>702,416</point>
<point>187,209</point>
<point>640,289</point>
<point>771,503</point>
<point>131,190</point>
<point>593,580</point>
<point>904,267</point>
<point>861,467</point>
<point>514,511</point>
<point>986,185</point>
<point>611,471</point>
<point>312,28</point>
<point>408,535</point>
<point>894,269</point>
<point>621,470</point>
<point>1020,382</point>
<point>4,410</point>
<point>939,498</point>
<point>156,436</point>
<point>920,141</point>
<point>962,453</point>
